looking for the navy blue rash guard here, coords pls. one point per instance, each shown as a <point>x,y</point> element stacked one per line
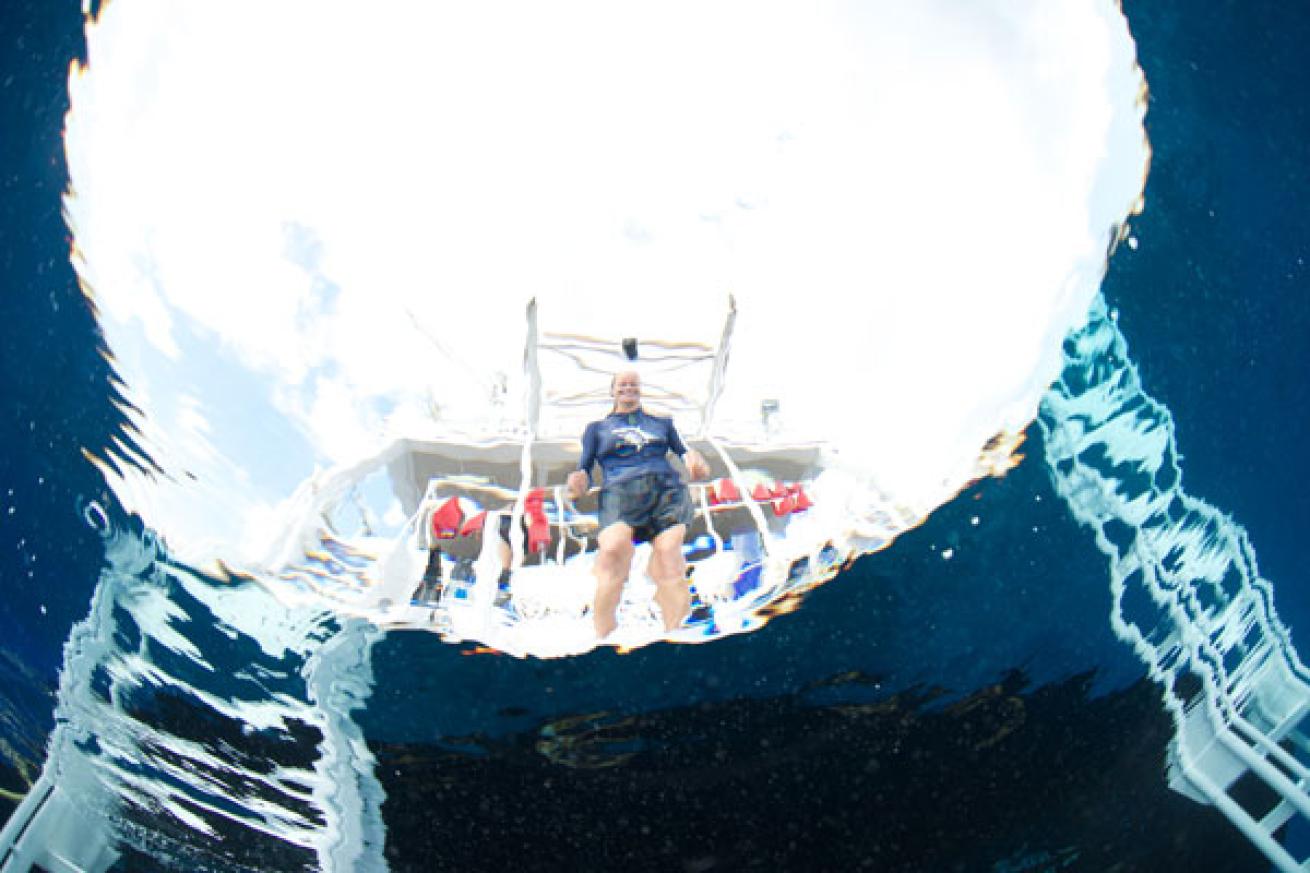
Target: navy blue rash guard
<point>628,444</point>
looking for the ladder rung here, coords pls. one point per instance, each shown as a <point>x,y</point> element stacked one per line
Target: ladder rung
<point>1277,817</point>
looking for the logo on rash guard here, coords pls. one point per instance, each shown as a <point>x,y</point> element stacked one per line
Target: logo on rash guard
<point>631,440</point>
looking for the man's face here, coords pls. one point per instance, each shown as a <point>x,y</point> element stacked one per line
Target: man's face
<point>627,389</point>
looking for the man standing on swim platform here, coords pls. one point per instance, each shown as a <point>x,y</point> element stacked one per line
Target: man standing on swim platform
<point>642,499</point>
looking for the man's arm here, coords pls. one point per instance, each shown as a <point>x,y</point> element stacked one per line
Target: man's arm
<point>697,468</point>
<point>580,479</point>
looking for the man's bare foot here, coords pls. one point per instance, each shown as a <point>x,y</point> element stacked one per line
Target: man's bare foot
<point>605,625</point>
<point>675,612</point>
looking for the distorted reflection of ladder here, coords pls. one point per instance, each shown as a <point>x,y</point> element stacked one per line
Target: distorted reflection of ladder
<point>578,369</point>
<point>1187,594</point>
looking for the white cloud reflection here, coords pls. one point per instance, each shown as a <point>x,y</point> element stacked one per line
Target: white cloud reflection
<point>911,203</point>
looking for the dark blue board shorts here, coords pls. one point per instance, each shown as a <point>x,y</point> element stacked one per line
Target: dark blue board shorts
<point>650,504</point>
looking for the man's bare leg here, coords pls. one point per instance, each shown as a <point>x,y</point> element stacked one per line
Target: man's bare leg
<point>612,563</point>
<point>506,556</point>
<point>669,570</point>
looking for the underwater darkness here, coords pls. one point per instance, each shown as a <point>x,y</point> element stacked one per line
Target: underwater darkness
<point>919,712</point>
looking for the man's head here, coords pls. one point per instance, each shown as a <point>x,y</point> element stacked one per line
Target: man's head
<point>625,388</point>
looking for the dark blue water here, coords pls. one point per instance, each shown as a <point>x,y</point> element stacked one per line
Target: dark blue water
<point>1214,300</point>
<point>57,388</point>
<point>917,713</point>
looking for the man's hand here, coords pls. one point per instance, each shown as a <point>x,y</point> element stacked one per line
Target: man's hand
<point>697,468</point>
<point>577,484</point>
